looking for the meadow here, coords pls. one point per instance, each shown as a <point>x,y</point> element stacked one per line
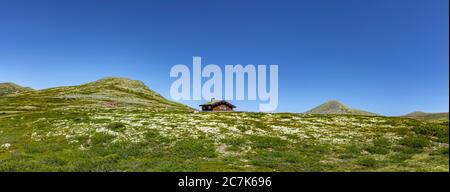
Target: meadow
<point>120,125</point>
<point>140,140</point>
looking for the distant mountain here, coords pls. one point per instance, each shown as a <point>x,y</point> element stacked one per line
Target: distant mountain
<point>427,116</point>
<point>11,88</point>
<point>335,107</point>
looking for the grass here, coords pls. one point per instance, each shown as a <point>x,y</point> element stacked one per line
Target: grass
<point>114,140</point>
<point>112,127</point>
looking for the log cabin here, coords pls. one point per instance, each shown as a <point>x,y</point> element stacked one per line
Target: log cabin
<point>217,105</point>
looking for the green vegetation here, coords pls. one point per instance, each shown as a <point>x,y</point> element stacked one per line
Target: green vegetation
<point>11,88</point>
<point>428,116</point>
<point>116,124</point>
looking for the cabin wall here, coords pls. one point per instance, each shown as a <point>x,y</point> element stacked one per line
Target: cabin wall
<point>222,107</point>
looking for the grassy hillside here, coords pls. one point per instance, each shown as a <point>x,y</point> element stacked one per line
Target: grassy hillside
<point>428,116</point>
<point>11,88</point>
<point>109,93</point>
<point>121,125</point>
<point>335,107</point>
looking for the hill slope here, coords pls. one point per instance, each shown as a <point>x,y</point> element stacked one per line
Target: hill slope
<point>11,88</point>
<point>116,124</point>
<point>427,116</point>
<point>335,107</point>
<point>104,93</point>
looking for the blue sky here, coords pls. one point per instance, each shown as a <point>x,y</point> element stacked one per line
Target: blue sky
<point>384,56</point>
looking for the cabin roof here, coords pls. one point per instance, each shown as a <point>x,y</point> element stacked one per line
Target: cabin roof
<point>218,102</point>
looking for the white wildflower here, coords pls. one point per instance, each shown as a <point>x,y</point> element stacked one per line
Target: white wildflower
<point>6,146</point>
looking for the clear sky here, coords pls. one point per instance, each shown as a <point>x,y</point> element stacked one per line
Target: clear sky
<point>384,56</point>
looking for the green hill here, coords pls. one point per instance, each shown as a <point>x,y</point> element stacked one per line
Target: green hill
<point>116,124</point>
<point>11,88</point>
<point>427,116</point>
<point>109,93</point>
<point>335,107</point>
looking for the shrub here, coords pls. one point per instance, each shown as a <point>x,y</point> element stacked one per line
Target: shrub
<point>434,130</point>
<point>268,142</point>
<point>377,150</point>
<point>416,142</point>
<point>116,126</point>
<point>101,139</point>
<point>111,158</point>
<point>234,143</point>
<point>379,146</point>
<point>194,149</point>
<point>285,116</point>
<point>55,161</point>
<point>441,151</point>
<point>368,162</point>
<point>242,128</point>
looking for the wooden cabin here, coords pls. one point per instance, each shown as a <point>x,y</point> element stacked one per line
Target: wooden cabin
<point>217,105</point>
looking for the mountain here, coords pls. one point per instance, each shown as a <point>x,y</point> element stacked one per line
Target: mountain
<point>427,116</point>
<point>110,92</point>
<point>11,88</point>
<point>336,107</point>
